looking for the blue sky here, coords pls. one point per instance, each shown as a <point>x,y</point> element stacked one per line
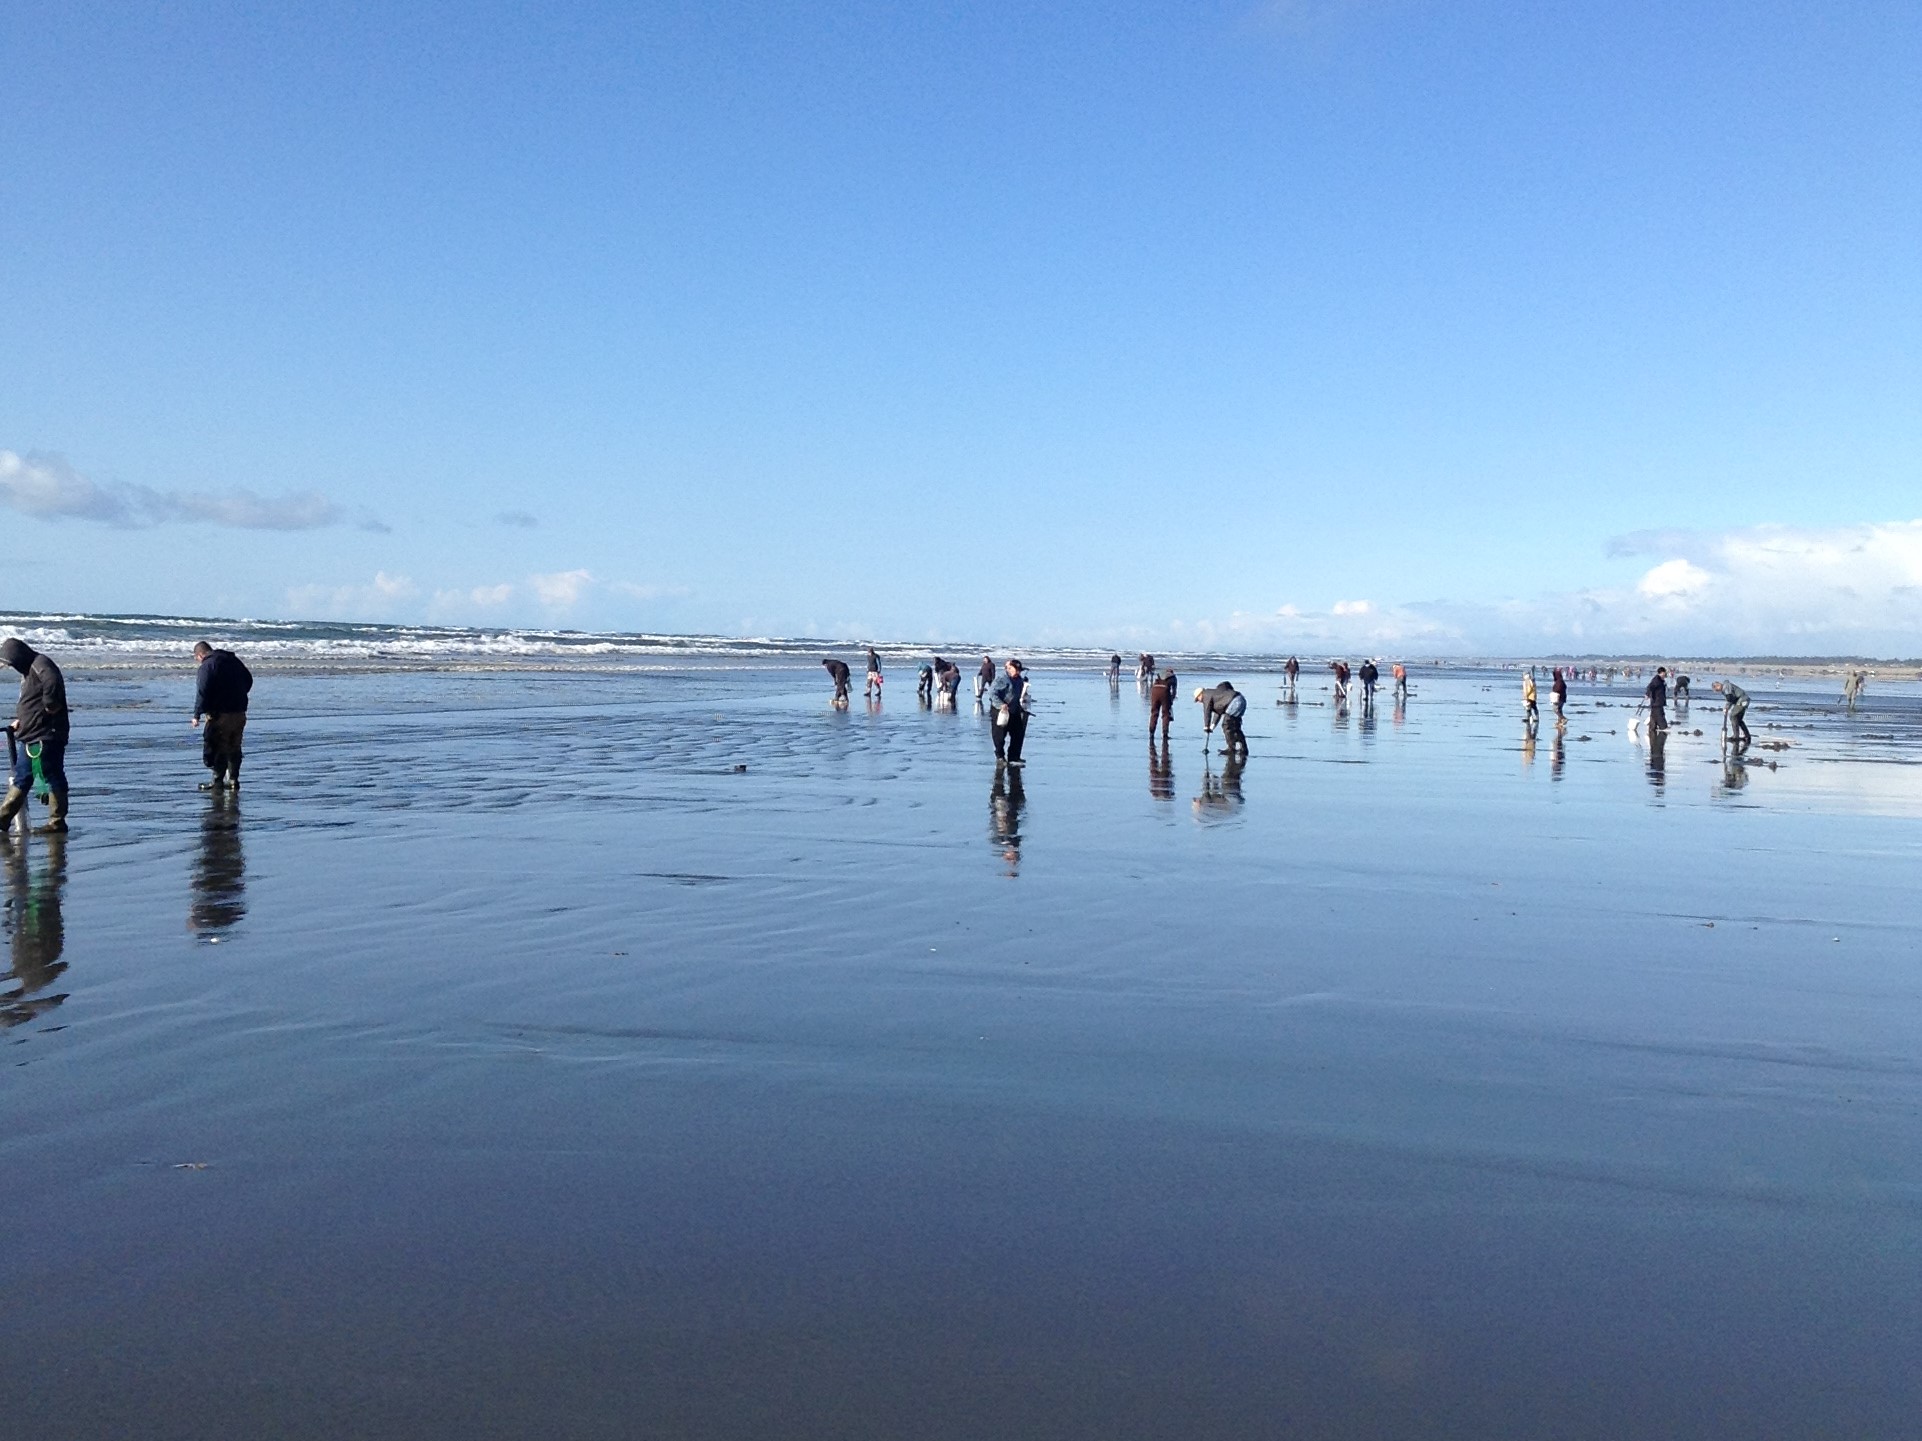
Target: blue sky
<point>1433,326</point>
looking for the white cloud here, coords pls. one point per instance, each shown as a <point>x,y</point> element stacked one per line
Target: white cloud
<point>49,488</point>
<point>562,589</point>
<point>1674,579</point>
<point>1757,590</point>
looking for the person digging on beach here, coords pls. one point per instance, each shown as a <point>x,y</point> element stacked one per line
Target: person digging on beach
<point>1008,698</point>
<point>1681,691</point>
<point>839,670</point>
<point>1735,701</point>
<point>873,690</point>
<point>984,677</point>
<point>1292,670</point>
<point>1657,693</point>
<point>1224,705</point>
<point>40,729</point>
<point>1340,668</point>
<point>1114,670</point>
<point>1401,681</point>
<point>924,685</point>
<point>947,681</point>
<point>220,698</point>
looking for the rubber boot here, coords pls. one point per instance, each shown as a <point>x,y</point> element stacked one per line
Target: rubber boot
<point>56,814</point>
<point>10,807</point>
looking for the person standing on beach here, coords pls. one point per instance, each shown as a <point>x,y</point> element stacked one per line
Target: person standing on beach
<point>1369,673</point>
<point>1161,705</point>
<point>1340,668</point>
<point>1657,693</point>
<point>1008,697</point>
<point>842,681</point>
<point>40,729</point>
<point>1735,703</point>
<point>984,677</point>
<point>1114,669</point>
<point>220,698</point>
<point>1531,713</point>
<point>1560,692</point>
<point>1401,681</point>
<point>873,691</point>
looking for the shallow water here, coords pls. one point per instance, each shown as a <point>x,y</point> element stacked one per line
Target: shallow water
<point>507,1061</point>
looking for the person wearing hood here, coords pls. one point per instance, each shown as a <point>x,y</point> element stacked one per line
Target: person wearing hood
<point>40,729</point>
<point>1224,705</point>
<point>220,698</point>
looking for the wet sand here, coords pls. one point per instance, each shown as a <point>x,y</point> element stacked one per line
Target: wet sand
<point>507,1062</point>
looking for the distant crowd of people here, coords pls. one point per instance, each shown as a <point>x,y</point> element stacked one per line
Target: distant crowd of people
<point>38,735</point>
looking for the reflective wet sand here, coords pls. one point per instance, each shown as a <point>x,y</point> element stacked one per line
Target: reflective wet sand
<point>505,1060</point>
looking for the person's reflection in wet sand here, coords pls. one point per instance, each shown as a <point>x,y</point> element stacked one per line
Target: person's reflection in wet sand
<point>36,934</point>
<point>1161,772</point>
<point>1528,750</point>
<point>1005,802</point>
<point>1366,724</point>
<point>1220,795</point>
<point>1558,753</point>
<point>219,886</point>
<point>1401,710</point>
<point>1734,774</point>
<point>1657,758</point>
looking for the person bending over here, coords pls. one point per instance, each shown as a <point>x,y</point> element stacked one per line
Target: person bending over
<point>40,727</point>
<point>220,697</point>
<point>1225,706</point>
<point>838,669</point>
<point>1735,700</point>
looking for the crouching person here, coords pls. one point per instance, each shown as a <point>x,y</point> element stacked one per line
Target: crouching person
<point>220,699</point>
<point>39,732</point>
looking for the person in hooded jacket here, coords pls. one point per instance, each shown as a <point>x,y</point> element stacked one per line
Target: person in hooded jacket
<point>220,698</point>
<point>39,723</point>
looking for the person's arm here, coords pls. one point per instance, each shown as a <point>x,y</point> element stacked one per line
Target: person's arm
<point>201,677</point>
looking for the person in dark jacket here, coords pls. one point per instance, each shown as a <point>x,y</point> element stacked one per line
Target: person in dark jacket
<point>40,730</point>
<point>1224,705</point>
<point>220,699</point>
<point>1657,694</point>
<point>839,670</point>
<point>1369,673</point>
<point>1733,724</point>
<point>1007,705</point>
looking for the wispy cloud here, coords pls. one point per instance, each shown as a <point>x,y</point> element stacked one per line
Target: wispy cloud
<point>385,597</point>
<point>518,519</point>
<point>50,488</point>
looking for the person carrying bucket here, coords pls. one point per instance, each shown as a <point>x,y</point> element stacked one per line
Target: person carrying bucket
<point>37,737</point>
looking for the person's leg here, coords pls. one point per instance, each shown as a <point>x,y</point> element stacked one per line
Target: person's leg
<point>19,787</point>
<point>53,765</point>
<point>1017,732</point>
<point>1000,734</point>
